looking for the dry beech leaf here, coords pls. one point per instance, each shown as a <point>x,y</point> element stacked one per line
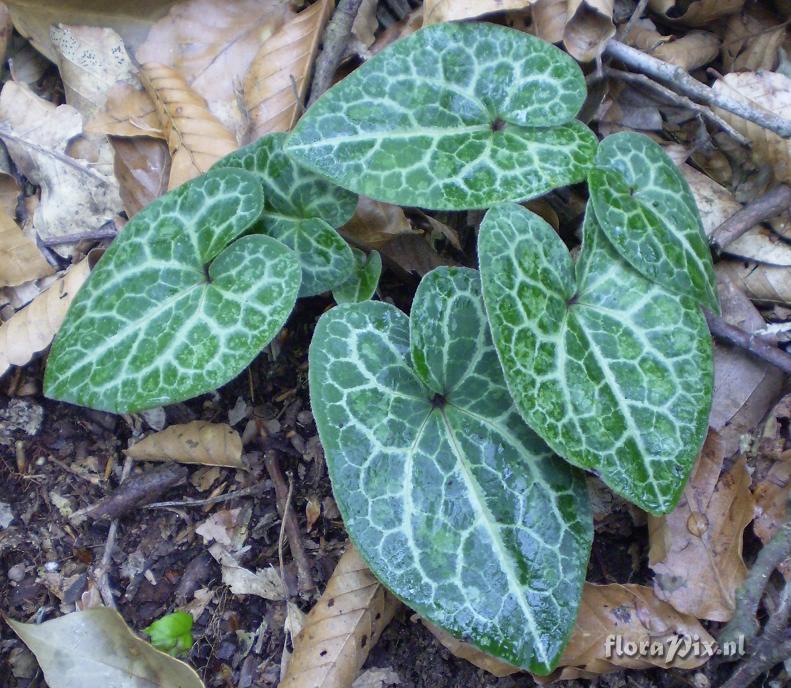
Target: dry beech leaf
<point>20,259</point>
<point>375,223</point>
<point>752,41</point>
<point>275,86</point>
<point>341,629</point>
<point>142,168</point>
<point>201,442</point>
<point>634,614</point>
<point>745,388</point>
<point>128,111</point>
<point>589,26</point>
<point>689,51</point>
<point>413,254</point>
<point>472,654</point>
<point>9,193</point>
<point>195,137</point>
<point>697,12</point>
<point>771,500</point>
<point>437,11</point>
<point>768,91</point>
<point>6,29</point>
<point>549,20</point>
<point>211,44</point>
<point>31,329</point>
<point>365,23</point>
<point>75,194</point>
<point>401,29</point>
<point>265,583</point>
<point>696,550</point>
<point>95,648</point>
<point>759,282</point>
<point>90,59</point>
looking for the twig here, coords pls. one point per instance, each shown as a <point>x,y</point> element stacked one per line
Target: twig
<point>756,344</point>
<point>244,492</point>
<point>681,81</point>
<point>336,35</point>
<point>638,12</point>
<point>282,534</point>
<point>108,230</point>
<point>770,204</point>
<point>272,463</point>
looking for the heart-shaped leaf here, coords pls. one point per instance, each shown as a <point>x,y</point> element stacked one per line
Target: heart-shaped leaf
<point>362,284</point>
<point>301,209</point>
<point>612,370</point>
<point>176,307</point>
<point>453,116</point>
<point>452,501</point>
<point>645,207</point>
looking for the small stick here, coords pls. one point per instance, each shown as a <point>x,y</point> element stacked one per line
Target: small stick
<point>762,208</point>
<point>282,534</point>
<point>336,36</point>
<point>272,463</point>
<point>681,81</point>
<point>679,100</point>
<point>244,492</point>
<point>754,343</point>
<point>638,12</point>
<point>107,231</point>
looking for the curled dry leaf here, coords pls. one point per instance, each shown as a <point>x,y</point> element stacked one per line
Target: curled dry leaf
<point>275,85</point>
<point>20,259</point>
<point>689,51</point>
<point>752,41</point>
<point>265,583</point>
<point>771,500</point>
<point>31,329</point>
<point>696,550</point>
<point>90,59</point>
<point>211,44</point>
<point>589,26</point>
<point>6,29</point>
<point>201,442</point>
<point>128,111</point>
<point>438,11</point>
<point>768,91</point>
<point>696,12</point>
<point>365,23</point>
<point>375,223</point>
<point>759,282</point>
<point>195,137</point>
<point>341,629</point>
<point>472,654</point>
<point>633,614</point>
<point>9,193</point>
<point>142,168</point>
<point>95,649</point>
<point>549,20</point>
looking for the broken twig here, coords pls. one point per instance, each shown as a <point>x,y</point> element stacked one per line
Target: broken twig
<point>757,345</point>
<point>770,204</point>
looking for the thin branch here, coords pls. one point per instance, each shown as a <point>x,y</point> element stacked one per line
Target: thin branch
<point>681,81</point>
<point>770,204</point>
<point>244,492</point>
<point>108,230</point>
<point>638,12</point>
<point>757,345</point>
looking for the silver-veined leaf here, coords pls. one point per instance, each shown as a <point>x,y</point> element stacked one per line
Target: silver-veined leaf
<point>453,502</point>
<point>178,305</point>
<point>646,209</point>
<point>612,370</point>
<point>301,209</point>
<point>362,284</point>
<point>453,116</point>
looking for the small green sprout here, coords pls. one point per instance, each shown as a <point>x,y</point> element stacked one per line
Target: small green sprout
<point>172,633</point>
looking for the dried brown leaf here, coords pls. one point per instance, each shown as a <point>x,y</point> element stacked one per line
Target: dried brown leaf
<point>142,168</point>
<point>375,223</point>
<point>31,329</point>
<point>771,500</point>
<point>275,85</point>
<point>413,254</point>
<point>201,442</point>
<point>689,51</point>
<point>589,26</point>
<point>759,282</point>
<point>696,550</point>
<point>472,654</point>
<point>365,23</point>
<point>196,139</point>
<point>763,91</point>
<point>341,629</point>
<point>697,12</point>
<point>20,259</point>
<point>549,19</point>
<point>6,29</point>
<point>408,25</point>
<point>9,193</point>
<point>128,111</point>
<point>752,41</point>
<point>211,44</point>
<point>437,11</point>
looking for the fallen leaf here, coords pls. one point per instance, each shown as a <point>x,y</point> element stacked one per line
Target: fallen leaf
<point>6,29</point>
<point>408,25</point>
<point>275,85</point>
<point>196,139</point>
<point>27,66</point>
<point>437,11</point>
<point>9,192</point>
<point>31,329</point>
<point>759,282</point>
<point>634,615</point>
<point>341,629</point>
<point>764,91</point>
<point>696,550</point>
<point>201,442</point>
<point>211,44</point>
<point>365,23</point>
<point>20,259</point>
<point>696,12</point>
<point>90,59</point>
<point>96,649</point>
<point>227,528</point>
<point>470,653</point>
<point>771,500</point>
<point>589,26</point>
<point>413,254</point>
<point>689,51</point>
<point>128,111</point>
<point>375,223</point>
<point>312,511</point>
<point>549,20</point>
<point>75,196</point>
<point>752,41</point>
<point>377,678</point>
<point>142,168</point>
<point>265,583</point>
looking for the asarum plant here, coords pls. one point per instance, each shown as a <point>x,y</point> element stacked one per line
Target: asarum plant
<point>445,432</point>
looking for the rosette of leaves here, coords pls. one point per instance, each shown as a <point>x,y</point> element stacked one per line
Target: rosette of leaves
<point>612,370</point>
<point>646,209</point>
<point>179,304</point>
<point>454,116</point>
<point>302,210</point>
<point>453,502</point>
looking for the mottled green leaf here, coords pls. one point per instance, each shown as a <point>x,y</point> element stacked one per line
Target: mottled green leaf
<point>453,116</point>
<point>301,209</point>
<point>178,305</point>
<point>647,211</point>
<point>362,284</point>
<point>452,501</point>
<point>612,370</point>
